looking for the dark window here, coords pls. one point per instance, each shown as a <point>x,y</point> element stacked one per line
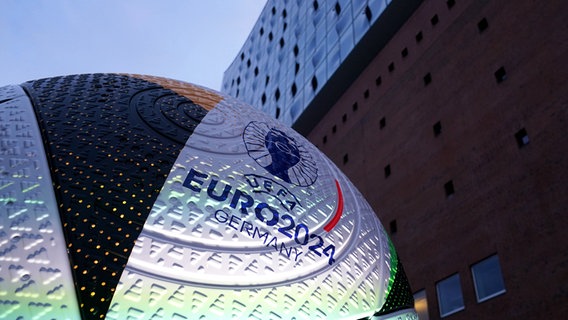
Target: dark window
<point>248,63</point>
<point>281,42</point>
<point>270,36</point>
<point>277,112</point>
<point>382,123</point>
<point>434,21</point>
<point>378,81</point>
<point>273,10</point>
<point>404,52</point>
<point>437,128</point>
<point>482,25</point>
<point>387,171</point>
<point>261,31</point>
<point>344,118</point>
<point>366,94</point>
<point>297,68</point>
<point>294,89</point>
<point>393,227</point>
<point>355,106</point>
<point>284,13</point>
<point>345,158</point>
<point>449,188</point>
<point>255,71</point>
<point>427,79</point>
<point>277,94</point>
<point>419,37</point>
<point>334,129</point>
<point>242,56</point>
<point>296,50</point>
<point>324,139</point>
<point>316,5</point>
<point>284,26</point>
<point>314,83</point>
<point>391,67</point>
<point>238,80</point>
<point>450,3</point>
<point>500,75</point>
<point>267,80</point>
<point>263,98</point>
<point>522,137</point>
<point>337,8</point>
<point>368,13</point>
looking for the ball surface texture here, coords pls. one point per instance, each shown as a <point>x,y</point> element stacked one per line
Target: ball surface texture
<point>139,197</point>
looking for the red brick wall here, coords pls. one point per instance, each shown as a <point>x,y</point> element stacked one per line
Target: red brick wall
<point>508,200</point>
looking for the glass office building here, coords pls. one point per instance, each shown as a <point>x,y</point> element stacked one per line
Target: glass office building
<point>294,48</point>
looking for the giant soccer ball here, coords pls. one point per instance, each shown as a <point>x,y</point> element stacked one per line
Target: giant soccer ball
<point>137,197</point>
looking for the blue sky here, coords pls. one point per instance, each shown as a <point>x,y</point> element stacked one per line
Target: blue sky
<point>189,40</point>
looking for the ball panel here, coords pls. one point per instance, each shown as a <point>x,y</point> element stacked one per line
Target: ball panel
<point>111,141</point>
<point>35,275</point>
<point>199,251</point>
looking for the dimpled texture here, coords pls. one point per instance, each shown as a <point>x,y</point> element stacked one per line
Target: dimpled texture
<point>110,142</point>
<point>176,202</point>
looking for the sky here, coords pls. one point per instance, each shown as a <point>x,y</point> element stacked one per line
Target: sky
<point>189,40</point>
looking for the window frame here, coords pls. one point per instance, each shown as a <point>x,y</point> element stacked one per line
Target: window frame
<point>475,279</point>
<point>455,310</point>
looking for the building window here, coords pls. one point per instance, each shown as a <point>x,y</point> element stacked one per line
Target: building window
<point>277,94</point>
<point>393,227</point>
<point>277,112</point>
<point>434,21</point>
<point>387,171</point>
<point>482,25</point>
<point>404,52</point>
<point>368,13</point>
<point>378,81</point>
<point>522,138</point>
<point>314,83</point>
<point>450,3</point>
<point>355,106</point>
<point>337,8</point>
<point>344,118</point>
<point>500,75</point>
<point>334,129</point>
<point>324,139</point>
<point>345,158</point>
<point>391,67</point>
<point>450,298</point>
<point>294,89</point>
<point>488,279</point>
<point>437,128</point>
<point>382,123</point>
<point>427,79</point>
<point>263,98</point>
<point>366,94</point>
<point>449,188</point>
<point>419,37</point>
<point>421,305</point>
<point>316,5</point>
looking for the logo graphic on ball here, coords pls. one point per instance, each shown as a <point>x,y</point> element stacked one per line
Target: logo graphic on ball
<point>280,154</point>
